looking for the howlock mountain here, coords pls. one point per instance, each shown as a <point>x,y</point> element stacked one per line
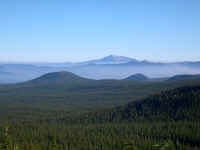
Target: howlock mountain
<point>110,67</point>
<point>111,59</point>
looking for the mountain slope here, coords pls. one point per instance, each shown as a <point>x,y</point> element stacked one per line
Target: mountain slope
<point>111,59</point>
<point>117,59</point>
<point>178,105</point>
<point>137,77</point>
<point>62,77</point>
<point>183,77</point>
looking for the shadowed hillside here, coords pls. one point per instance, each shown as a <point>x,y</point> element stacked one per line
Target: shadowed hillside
<point>183,77</point>
<point>180,104</point>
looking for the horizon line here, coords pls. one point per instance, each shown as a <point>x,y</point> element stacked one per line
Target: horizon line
<point>80,61</point>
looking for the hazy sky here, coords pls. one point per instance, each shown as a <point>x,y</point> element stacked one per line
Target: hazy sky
<point>76,30</point>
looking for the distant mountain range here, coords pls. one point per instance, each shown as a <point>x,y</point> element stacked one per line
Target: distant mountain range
<point>111,59</point>
<point>65,77</point>
<point>110,67</point>
<point>60,89</point>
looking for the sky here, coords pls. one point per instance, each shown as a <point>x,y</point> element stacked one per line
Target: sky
<point>79,30</point>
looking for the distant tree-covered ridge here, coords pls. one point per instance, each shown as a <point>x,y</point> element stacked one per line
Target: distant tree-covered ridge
<point>66,92</point>
<point>137,77</point>
<point>184,77</point>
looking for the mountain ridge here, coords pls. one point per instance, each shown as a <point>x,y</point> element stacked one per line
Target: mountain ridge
<point>109,67</point>
<point>183,77</point>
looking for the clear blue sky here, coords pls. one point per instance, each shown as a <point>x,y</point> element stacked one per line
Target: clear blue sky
<point>76,30</point>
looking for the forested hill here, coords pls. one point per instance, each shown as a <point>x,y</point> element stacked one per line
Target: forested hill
<point>137,77</point>
<point>55,78</point>
<point>184,77</point>
<point>180,104</point>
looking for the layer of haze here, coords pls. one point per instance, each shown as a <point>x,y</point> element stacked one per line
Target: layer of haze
<point>77,30</point>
